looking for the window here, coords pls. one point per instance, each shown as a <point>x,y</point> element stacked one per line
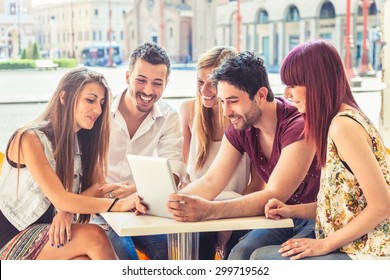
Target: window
<point>293,14</point>
<point>262,17</point>
<point>327,11</point>
<point>371,10</point>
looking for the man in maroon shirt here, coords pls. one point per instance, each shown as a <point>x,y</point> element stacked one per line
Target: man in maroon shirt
<point>270,131</point>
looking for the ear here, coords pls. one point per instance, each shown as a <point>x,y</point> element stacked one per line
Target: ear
<point>261,94</point>
<point>128,77</point>
<point>62,97</point>
<point>166,83</point>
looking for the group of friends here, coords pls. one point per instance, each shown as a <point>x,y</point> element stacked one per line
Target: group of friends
<point>312,156</point>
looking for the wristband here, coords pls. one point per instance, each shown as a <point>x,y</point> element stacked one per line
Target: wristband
<point>112,205</point>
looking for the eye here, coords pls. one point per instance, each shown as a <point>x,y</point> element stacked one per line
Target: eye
<point>157,84</point>
<point>91,101</point>
<point>141,81</point>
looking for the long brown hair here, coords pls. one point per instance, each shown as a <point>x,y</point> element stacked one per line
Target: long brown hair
<point>57,122</point>
<point>203,119</point>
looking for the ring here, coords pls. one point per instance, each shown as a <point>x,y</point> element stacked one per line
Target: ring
<point>296,244</point>
<point>61,230</point>
<point>110,195</point>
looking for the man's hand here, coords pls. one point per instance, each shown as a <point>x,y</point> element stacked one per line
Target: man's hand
<point>275,209</point>
<point>121,190</point>
<point>186,208</point>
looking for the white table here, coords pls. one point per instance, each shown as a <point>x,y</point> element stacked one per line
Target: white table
<point>183,238</point>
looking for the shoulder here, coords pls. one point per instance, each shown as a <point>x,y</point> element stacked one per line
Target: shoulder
<point>187,109</point>
<point>29,141</point>
<point>187,105</point>
<point>346,127</point>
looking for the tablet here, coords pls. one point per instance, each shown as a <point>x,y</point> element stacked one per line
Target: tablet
<point>154,182</point>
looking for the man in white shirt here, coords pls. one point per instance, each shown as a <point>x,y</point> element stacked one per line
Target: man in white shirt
<point>142,124</point>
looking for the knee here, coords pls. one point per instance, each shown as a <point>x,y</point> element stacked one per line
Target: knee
<point>96,235</point>
<point>267,253</point>
<point>240,252</point>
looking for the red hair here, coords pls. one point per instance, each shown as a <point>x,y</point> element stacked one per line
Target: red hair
<point>318,66</point>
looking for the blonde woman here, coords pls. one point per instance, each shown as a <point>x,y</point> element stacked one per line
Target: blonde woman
<point>49,163</point>
<point>203,126</point>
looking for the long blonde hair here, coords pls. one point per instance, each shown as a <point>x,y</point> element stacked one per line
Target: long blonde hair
<point>203,119</point>
<point>57,123</point>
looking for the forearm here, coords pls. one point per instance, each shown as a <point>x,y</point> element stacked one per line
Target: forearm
<point>74,203</point>
<point>245,206</point>
<point>303,211</point>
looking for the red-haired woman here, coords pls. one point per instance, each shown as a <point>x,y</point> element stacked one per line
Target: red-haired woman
<point>352,210</point>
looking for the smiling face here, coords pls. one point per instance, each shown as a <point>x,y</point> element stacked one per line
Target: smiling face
<point>297,95</point>
<point>89,105</point>
<point>146,84</point>
<point>237,106</point>
<point>207,91</point>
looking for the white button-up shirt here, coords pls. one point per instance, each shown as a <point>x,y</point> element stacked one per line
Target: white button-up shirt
<point>158,135</point>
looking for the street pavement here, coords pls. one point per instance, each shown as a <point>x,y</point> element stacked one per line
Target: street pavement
<point>23,94</point>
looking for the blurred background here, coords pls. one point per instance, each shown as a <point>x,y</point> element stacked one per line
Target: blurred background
<point>40,40</point>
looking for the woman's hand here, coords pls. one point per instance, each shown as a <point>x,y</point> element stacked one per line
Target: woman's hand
<point>304,247</point>
<point>60,229</point>
<point>121,190</point>
<point>275,209</point>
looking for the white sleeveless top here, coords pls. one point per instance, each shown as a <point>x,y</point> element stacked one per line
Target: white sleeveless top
<point>29,203</point>
<point>240,178</point>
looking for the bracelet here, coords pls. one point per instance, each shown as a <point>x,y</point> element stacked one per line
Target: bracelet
<point>112,205</point>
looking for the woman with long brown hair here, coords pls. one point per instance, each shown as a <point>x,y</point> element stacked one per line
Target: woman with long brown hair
<point>49,163</point>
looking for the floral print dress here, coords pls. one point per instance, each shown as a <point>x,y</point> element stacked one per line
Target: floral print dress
<point>340,197</point>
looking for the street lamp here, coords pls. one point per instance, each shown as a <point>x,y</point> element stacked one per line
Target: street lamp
<point>162,23</point>
<point>109,62</point>
<point>19,37</point>
<point>353,79</point>
<point>365,68</point>
<point>238,26</point>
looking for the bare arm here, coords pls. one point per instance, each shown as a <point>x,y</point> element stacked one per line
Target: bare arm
<point>186,120</point>
<point>255,184</point>
<point>283,182</point>
<point>218,175</point>
<point>33,156</point>
<point>355,148</point>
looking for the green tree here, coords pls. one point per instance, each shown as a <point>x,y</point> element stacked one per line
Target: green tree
<point>23,54</point>
<point>35,52</point>
<point>29,50</point>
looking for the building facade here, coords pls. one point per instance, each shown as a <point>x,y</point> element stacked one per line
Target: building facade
<point>64,29</point>
<point>166,22</point>
<point>17,27</point>
<point>273,27</point>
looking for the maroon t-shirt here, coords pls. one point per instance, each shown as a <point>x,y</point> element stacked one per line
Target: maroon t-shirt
<point>289,129</point>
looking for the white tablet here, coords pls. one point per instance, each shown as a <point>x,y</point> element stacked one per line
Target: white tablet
<point>154,182</point>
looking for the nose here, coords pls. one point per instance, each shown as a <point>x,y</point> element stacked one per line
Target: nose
<point>287,93</point>
<point>98,109</point>
<point>206,87</point>
<point>148,89</point>
<point>226,109</point>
